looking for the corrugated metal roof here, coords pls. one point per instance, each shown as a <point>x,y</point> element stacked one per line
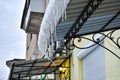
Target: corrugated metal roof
<point>100,17</point>
<point>74,8</point>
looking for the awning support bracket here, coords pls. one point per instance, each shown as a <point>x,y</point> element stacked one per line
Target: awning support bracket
<point>114,42</point>
<point>85,14</point>
<point>109,36</point>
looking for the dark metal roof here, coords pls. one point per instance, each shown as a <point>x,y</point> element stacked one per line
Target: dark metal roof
<point>35,67</point>
<point>106,11</point>
<point>8,63</point>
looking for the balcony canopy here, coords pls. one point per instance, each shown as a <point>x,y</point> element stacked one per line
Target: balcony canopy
<point>21,68</point>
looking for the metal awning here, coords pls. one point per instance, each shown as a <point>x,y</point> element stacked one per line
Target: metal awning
<point>23,69</point>
<point>100,17</point>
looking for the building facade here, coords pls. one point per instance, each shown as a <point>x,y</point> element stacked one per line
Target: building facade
<point>70,40</point>
<point>32,17</point>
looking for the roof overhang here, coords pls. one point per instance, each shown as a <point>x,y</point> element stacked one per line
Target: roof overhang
<point>25,10</point>
<point>78,18</point>
<point>34,22</point>
<point>8,63</point>
<point>105,17</point>
<point>33,13</point>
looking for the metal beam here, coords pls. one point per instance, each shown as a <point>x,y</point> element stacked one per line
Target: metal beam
<point>39,61</point>
<point>11,71</point>
<point>23,71</point>
<point>110,21</point>
<point>52,61</point>
<point>31,67</point>
<point>103,28</point>
<point>85,14</point>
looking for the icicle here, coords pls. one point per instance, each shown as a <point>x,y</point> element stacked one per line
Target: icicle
<point>50,22</point>
<point>62,14</point>
<point>55,24</point>
<point>65,14</point>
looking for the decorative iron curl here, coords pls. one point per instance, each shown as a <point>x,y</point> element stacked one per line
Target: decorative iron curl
<point>97,41</point>
<point>72,43</point>
<point>112,38</point>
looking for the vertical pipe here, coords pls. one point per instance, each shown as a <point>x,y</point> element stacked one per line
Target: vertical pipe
<point>55,75</point>
<point>18,76</point>
<point>69,69</point>
<point>11,70</point>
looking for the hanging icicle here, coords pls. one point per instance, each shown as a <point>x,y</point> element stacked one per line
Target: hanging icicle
<point>53,13</point>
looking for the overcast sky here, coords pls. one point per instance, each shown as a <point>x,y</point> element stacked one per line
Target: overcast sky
<point>12,38</point>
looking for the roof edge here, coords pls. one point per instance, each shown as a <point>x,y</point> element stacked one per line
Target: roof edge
<point>25,10</point>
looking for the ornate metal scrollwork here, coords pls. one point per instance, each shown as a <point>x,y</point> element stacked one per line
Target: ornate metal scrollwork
<point>78,41</point>
<point>83,17</point>
<point>75,40</point>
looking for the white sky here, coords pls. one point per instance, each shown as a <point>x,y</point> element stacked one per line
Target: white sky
<point>12,38</point>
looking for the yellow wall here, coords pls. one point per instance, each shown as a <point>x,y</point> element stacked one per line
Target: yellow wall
<point>112,62</point>
<point>80,70</point>
<point>65,70</point>
<point>76,66</point>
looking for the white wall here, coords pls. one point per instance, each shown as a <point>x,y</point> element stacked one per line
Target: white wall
<point>94,65</point>
<point>112,62</point>
<point>37,6</point>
